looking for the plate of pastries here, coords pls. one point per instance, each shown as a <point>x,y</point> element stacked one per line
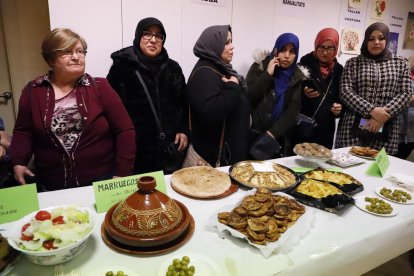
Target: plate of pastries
<point>263,174</point>
<point>263,217</point>
<point>313,151</point>
<point>364,152</point>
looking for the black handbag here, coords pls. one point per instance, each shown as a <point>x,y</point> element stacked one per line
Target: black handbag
<point>305,125</point>
<point>265,147</point>
<point>172,159</point>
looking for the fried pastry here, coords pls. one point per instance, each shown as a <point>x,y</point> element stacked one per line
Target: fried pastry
<point>262,217</point>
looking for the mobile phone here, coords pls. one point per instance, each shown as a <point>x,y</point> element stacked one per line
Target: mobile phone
<point>363,122</point>
<point>309,83</point>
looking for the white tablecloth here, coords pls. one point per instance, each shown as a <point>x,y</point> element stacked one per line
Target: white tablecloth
<point>351,243</point>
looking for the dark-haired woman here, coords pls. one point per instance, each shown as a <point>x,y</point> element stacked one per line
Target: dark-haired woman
<point>375,88</point>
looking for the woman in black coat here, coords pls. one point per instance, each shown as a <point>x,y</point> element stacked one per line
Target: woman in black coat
<point>322,67</point>
<point>217,96</point>
<point>166,85</point>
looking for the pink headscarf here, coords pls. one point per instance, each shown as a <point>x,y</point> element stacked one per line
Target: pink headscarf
<point>324,35</point>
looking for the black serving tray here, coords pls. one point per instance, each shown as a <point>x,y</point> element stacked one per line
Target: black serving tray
<point>331,203</point>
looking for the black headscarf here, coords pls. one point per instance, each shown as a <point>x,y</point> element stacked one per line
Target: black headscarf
<point>386,54</point>
<point>152,63</point>
<point>210,46</point>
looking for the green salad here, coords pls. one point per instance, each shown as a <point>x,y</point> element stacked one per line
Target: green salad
<point>54,229</point>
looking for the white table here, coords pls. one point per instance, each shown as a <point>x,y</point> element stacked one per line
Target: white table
<point>348,244</point>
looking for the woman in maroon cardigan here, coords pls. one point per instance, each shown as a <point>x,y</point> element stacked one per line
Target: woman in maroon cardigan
<point>75,125</point>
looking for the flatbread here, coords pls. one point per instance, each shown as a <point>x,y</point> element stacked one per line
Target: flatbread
<point>201,181</point>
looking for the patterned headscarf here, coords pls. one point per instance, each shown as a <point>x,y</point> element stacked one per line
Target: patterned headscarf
<point>282,75</point>
<point>324,35</point>
<point>210,46</point>
<point>386,54</point>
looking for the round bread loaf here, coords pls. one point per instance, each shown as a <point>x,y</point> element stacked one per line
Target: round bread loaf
<point>201,182</point>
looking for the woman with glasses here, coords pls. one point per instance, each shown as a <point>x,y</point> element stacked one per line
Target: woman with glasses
<point>274,90</point>
<point>151,84</point>
<point>220,112</point>
<point>320,95</point>
<point>75,126</point>
<point>375,88</point>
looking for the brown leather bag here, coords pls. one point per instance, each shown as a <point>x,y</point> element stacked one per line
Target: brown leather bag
<point>193,159</point>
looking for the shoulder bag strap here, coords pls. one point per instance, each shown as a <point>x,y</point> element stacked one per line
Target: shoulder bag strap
<point>154,112</point>
<point>323,99</point>
<point>221,143</point>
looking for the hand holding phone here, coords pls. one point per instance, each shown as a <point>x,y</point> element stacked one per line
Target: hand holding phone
<point>309,83</point>
<point>309,88</point>
<point>273,63</point>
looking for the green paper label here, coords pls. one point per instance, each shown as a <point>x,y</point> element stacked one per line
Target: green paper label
<point>111,191</point>
<point>16,202</point>
<point>380,165</point>
<point>382,161</point>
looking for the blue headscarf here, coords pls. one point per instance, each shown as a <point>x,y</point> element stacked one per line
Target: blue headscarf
<point>282,75</point>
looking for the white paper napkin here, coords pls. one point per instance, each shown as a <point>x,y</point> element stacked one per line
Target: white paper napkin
<point>402,180</point>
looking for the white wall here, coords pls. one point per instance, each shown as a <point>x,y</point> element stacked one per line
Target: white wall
<point>108,25</point>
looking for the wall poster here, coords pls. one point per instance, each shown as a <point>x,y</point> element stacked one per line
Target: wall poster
<point>409,32</point>
<point>378,9</point>
<point>356,4</point>
<point>351,41</point>
<point>393,45</point>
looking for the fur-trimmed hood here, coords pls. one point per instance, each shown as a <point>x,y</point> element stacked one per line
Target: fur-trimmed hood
<point>259,55</point>
<point>305,70</point>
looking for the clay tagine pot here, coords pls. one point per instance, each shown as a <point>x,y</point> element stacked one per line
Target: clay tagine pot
<point>147,217</point>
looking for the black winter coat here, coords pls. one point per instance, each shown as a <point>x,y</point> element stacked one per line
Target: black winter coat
<point>167,90</point>
<point>213,102</point>
<point>323,134</point>
<point>261,94</point>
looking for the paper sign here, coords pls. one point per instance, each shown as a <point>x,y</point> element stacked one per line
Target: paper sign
<point>111,191</point>
<point>380,165</point>
<point>262,167</point>
<point>16,202</point>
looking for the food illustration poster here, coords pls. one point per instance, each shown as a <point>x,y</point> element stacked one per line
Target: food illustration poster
<point>356,4</point>
<point>351,41</point>
<point>378,9</point>
<point>409,32</point>
<point>393,45</point>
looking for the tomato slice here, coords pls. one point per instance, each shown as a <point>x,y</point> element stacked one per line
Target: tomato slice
<point>24,227</point>
<point>58,220</point>
<point>48,245</point>
<point>43,215</point>
<point>26,238</point>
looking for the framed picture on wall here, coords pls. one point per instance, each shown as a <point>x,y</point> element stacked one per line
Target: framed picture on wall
<point>393,45</point>
<point>409,32</point>
<point>378,9</point>
<point>351,40</point>
<point>357,4</point>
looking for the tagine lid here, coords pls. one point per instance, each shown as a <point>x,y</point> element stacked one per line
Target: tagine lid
<point>147,215</point>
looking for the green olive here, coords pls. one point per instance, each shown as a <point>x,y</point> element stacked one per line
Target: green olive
<point>109,273</point>
<point>180,267</point>
<point>378,206</point>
